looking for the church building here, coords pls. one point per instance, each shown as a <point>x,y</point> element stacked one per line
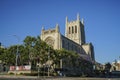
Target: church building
<point>74,39</point>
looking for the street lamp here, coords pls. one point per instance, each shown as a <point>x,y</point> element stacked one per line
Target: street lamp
<point>38,64</point>
<point>49,62</point>
<point>44,71</point>
<point>17,54</point>
<point>61,60</point>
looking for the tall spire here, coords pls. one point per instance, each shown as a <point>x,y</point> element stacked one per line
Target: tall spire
<point>42,27</point>
<point>78,16</point>
<point>42,30</point>
<point>66,25</point>
<point>57,27</point>
<point>82,21</point>
<point>66,19</point>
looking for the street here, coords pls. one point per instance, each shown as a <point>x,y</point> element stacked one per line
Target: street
<point>13,77</point>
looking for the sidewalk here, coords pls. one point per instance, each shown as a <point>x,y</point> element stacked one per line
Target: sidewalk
<point>17,76</point>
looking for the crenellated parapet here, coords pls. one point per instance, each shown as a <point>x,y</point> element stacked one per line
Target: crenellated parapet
<point>51,31</point>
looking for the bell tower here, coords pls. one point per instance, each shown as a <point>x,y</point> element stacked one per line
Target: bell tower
<point>75,30</point>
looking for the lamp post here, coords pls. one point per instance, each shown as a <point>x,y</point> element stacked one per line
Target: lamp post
<point>17,54</point>
<point>61,63</point>
<point>38,64</point>
<point>44,71</point>
<point>49,62</point>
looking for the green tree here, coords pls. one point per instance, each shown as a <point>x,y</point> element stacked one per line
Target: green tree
<point>8,55</point>
<point>36,50</point>
<point>66,56</point>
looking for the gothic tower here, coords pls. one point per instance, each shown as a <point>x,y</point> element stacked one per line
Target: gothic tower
<point>75,30</point>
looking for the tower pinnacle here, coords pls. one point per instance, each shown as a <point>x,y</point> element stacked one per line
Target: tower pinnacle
<point>78,16</point>
<point>66,19</point>
<point>57,27</point>
<point>82,21</point>
<point>42,27</point>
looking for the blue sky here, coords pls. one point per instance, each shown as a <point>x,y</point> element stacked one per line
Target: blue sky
<point>26,18</point>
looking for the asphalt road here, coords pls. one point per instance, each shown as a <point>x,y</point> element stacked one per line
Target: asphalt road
<point>13,77</point>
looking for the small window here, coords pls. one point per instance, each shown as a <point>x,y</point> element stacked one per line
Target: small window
<point>69,30</point>
<point>72,29</point>
<point>75,29</point>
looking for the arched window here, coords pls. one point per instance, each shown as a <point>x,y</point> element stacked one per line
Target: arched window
<point>50,41</point>
<point>69,30</point>
<point>75,29</point>
<point>72,29</point>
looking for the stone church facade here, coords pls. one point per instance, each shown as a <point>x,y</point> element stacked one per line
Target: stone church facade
<point>74,39</point>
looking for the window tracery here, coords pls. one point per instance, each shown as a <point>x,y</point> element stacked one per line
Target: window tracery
<point>50,41</point>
